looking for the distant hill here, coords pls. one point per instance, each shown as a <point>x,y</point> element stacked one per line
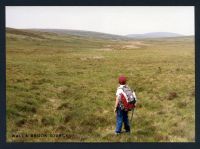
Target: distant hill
<point>69,40</point>
<point>38,33</point>
<point>154,35</point>
<point>81,33</point>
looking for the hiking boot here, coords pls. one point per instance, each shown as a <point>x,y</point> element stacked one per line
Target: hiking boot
<point>128,132</point>
<point>117,133</point>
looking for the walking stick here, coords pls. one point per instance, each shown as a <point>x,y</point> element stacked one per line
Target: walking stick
<point>132,115</point>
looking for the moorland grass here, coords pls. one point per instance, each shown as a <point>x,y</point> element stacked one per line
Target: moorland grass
<point>66,84</point>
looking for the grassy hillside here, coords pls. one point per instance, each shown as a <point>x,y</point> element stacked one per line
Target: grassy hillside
<point>66,84</point>
<point>86,34</point>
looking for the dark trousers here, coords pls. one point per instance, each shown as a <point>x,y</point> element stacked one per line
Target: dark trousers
<point>122,117</point>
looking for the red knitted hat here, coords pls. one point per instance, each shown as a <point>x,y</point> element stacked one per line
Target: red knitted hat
<point>122,80</point>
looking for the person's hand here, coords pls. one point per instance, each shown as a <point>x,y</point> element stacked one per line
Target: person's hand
<point>115,110</point>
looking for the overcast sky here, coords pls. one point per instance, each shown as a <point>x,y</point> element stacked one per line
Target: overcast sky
<point>115,20</point>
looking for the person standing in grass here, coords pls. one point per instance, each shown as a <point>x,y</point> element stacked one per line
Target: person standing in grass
<point>121,114</point>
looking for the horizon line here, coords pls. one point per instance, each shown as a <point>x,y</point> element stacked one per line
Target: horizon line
<point>181,34</point>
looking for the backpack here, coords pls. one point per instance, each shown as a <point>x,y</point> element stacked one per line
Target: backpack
<point>127,99</point>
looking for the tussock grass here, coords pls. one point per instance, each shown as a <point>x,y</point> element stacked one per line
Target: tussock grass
<point>64,84</point>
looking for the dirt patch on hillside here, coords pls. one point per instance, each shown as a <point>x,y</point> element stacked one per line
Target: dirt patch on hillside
<point>92,58</point>
<point>104,49</point>
<point>134,44</point>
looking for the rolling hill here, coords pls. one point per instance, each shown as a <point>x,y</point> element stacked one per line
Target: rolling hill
<point>95,35</point>
<point>81,33</point>
<point>154,35</point>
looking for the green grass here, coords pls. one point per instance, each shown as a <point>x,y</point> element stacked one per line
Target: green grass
<point>67,84</point>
